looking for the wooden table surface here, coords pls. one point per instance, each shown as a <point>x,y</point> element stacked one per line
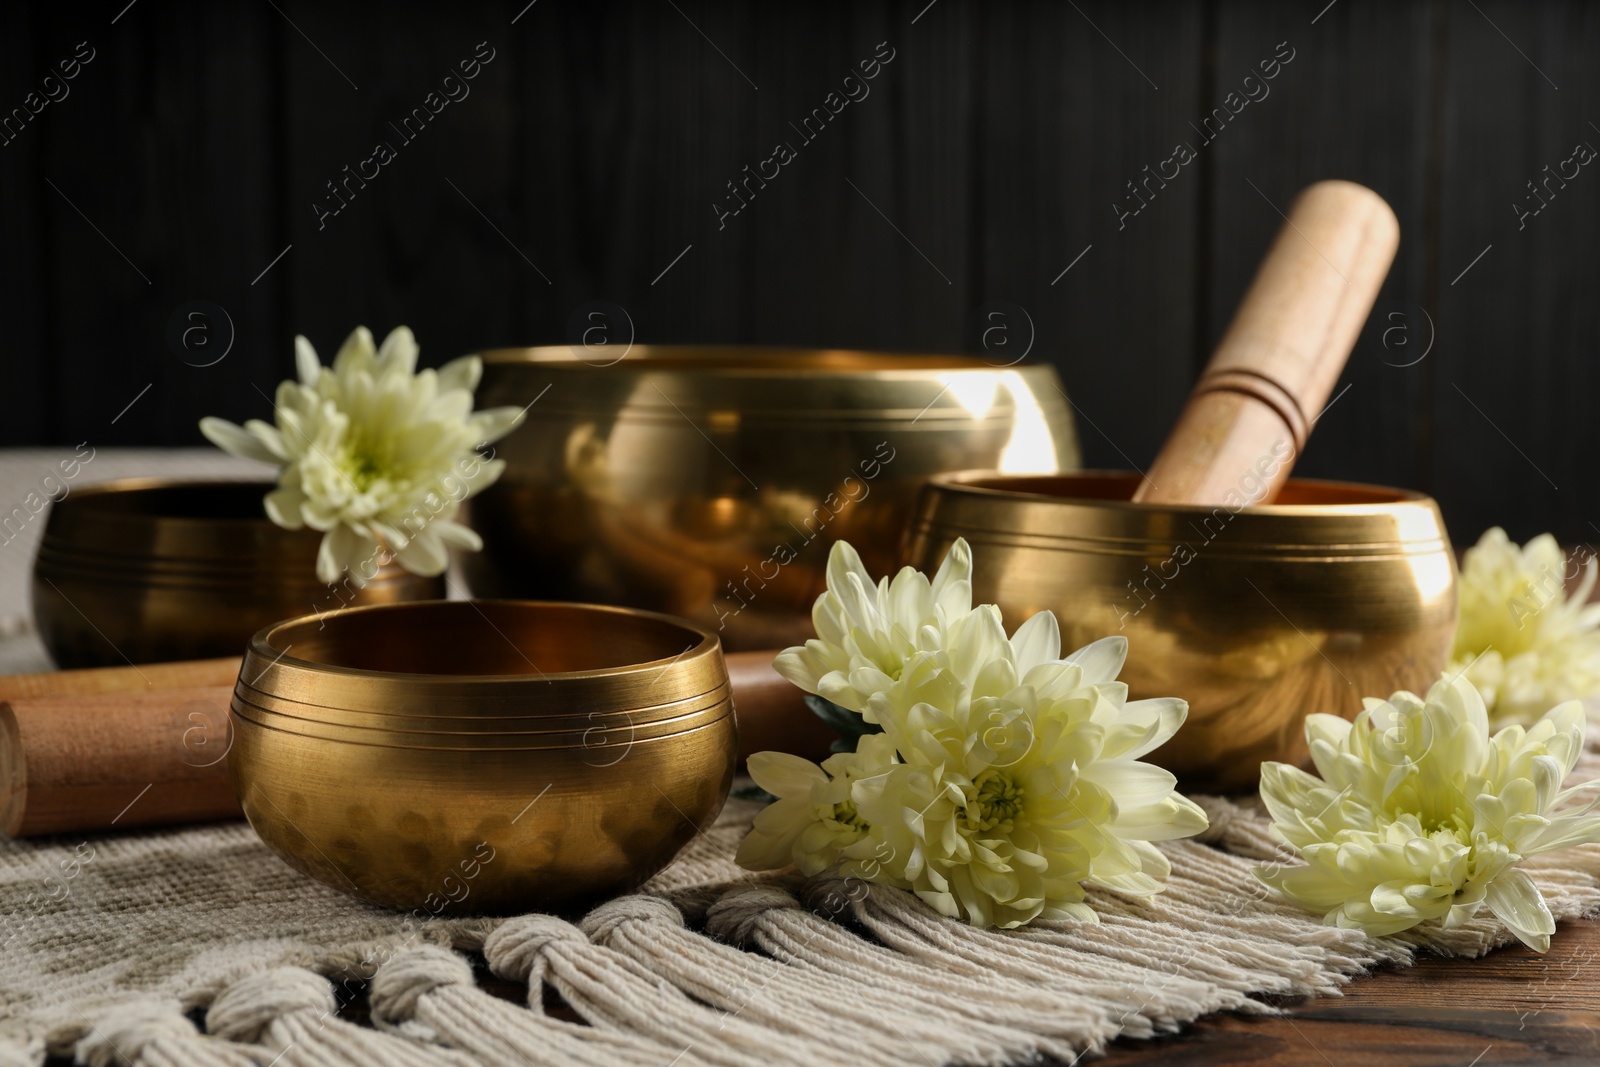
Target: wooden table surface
<point>1512,1006</point>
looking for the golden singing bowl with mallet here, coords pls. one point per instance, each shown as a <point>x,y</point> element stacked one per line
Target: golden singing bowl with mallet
<point>149,570</point>
<point>482,756</point>
<point>709,482</point>
<point>1257,599</point>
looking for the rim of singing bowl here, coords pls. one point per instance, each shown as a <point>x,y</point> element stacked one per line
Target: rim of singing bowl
<point>603,659</point>
<point>216,575</point>
<point>752,361</point>
<point>1324,518</point>
<point>176,518</point>
<point>776,385</point>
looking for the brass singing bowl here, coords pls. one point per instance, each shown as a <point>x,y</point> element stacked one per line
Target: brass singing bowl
<point>1257,617</point>
<point>147,570</point>
<point>709,482</point>
<point>482,757</point>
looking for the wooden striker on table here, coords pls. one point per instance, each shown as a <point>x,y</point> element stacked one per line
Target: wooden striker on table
<point>1250,413</point>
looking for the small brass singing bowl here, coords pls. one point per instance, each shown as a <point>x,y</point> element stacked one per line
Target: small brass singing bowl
<point>147,570</point>
<point>710,481</point>
<point>482,757</point>
<point>1257,616</point>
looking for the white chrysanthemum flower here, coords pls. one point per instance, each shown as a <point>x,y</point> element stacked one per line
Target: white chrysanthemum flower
<point>866,632</point>
<point>1420,814</point>
<point>1521,640</point>
<point>1006,779</point>
<point>1013,793</point>
<point>375,454</point>
<point>814,819</point>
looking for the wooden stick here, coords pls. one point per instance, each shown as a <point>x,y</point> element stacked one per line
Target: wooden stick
<point>193,673</point>
<point>107,760</point>
<point>1254,406</point>
<point>772,712</point>
<point>121,747</point>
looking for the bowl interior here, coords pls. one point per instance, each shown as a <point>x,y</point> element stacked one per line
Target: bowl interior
<point>1120,486</point>
<point>484,638</point>
<point>198,501</point>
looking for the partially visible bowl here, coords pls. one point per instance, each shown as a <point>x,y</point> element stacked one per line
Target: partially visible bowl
<point>482,756</point>
<point>709,482</point>
<point>1256,616</point>
<point>148,570</point>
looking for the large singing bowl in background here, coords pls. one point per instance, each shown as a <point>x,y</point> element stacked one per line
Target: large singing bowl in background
<point>461,757</point>
<point>146,570</point>
<point>710,482</point>
<point>1257,617</point>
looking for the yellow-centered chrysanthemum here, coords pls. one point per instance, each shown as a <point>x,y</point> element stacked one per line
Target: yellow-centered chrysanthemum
<point>1006,778</point>
<point>1420,814</point>
<point>814,820</point>
<point>1521,639</point>
<point>375,454</point>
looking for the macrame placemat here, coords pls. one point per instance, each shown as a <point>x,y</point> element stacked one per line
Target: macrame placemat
<point>196,946</point>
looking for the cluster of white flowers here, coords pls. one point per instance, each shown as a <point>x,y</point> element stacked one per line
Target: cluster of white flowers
<point>1006,777</point>
<point>1420,814</point>
<point>374,454</point>
<point>1521,639</point>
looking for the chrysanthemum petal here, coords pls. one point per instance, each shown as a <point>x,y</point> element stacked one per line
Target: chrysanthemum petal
<point>356,353</point>
<point>1516,901</point>
<point>307,365</point>
<point>1146,725</point>
<point>784,775</point>
<point>456,535</point>
<point>425,553</point>
<point>283,507</point>
<point>1037,641</point>
<point>1101,661</point>
<point>462,373</point>
<point>952,583</point>
<point>337,552</point>
<point>398,354</point>
<point>494,423</point>
<point>235,440</point>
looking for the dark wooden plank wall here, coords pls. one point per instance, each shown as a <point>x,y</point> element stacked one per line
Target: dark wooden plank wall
<point>986,159</point>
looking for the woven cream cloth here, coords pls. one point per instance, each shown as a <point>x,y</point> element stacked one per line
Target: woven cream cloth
<point>112,947</point>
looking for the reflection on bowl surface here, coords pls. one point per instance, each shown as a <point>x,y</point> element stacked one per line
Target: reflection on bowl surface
<point>1256,616</point>
<point>482,756</point>
<point>709,482</point>
<point>146,570</point>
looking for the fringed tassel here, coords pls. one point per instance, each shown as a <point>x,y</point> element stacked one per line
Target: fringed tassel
<point>808,1011</point>
<point>155,1033</point>
<point>617,994</point>
<point>1143,1000</point>
<point>292,1012</point>
<point>1020,1018</point>
<point>427,995</point>
<point>21,1051</point>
